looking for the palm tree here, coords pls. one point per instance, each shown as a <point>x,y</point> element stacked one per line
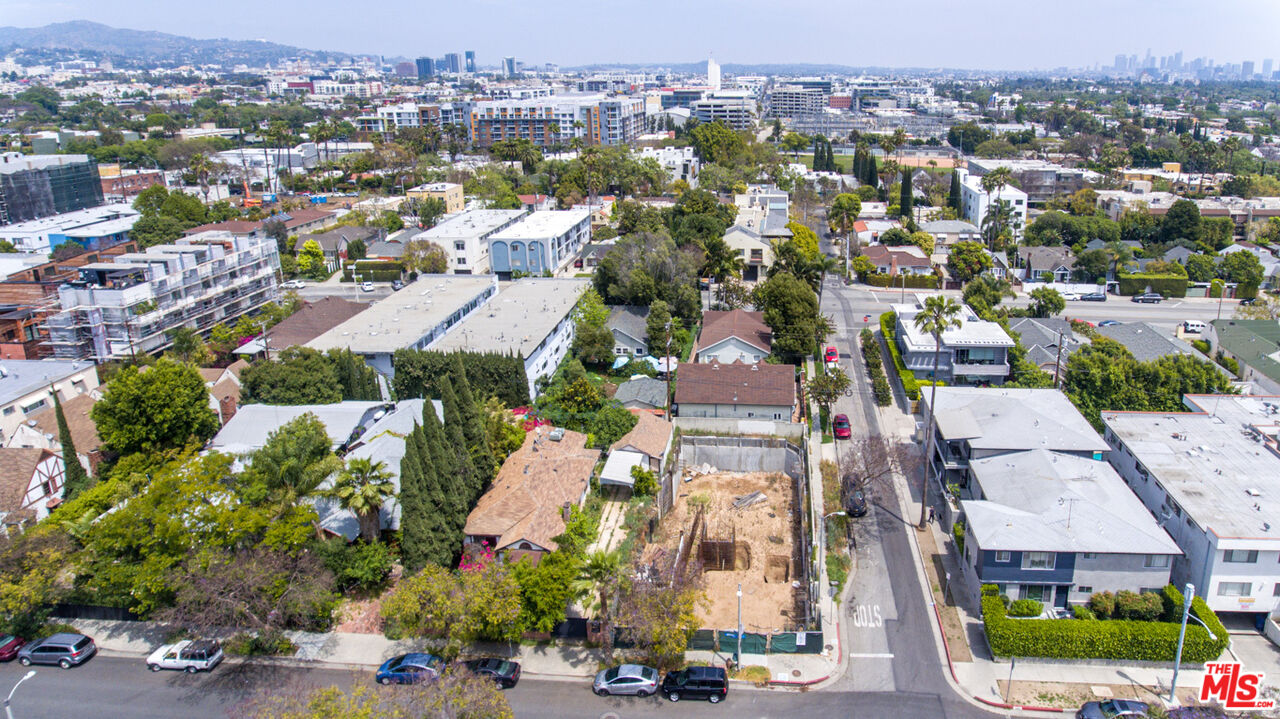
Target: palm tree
<point>600,571</point>
<point>553,132</point>
<point>995,181</point>
<point>722,262</point>
<point>940,314</point>
<point>362,488</point>
<point>200,166</point>
<point>1121,255</point>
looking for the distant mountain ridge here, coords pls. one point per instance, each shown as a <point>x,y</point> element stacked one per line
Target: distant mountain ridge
<point>150,47</point>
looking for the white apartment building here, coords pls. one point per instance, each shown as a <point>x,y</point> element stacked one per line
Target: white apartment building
<point>128,306</point>
<point>975,202</point>
<point>95,228</point>
<point>680,162</point>
<point>465,238</point>
<point>544,241</point>
<point>1211,478</point>
<point>27,387</point>
<point>796,101</point>
<point>735,108</point>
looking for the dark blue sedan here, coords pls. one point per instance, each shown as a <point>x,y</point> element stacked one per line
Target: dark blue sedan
<point>410,669</point>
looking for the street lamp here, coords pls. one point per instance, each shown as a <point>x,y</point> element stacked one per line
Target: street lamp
<point>7,711</point>
<point>737,658</point>
<point>1188,594</point>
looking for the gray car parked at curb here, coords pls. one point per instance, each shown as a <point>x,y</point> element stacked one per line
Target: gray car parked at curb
<point>64,649</point>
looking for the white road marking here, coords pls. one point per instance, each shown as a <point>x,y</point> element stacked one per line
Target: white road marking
<point>855,655</point>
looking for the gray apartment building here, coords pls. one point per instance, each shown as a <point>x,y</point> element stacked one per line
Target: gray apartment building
<point>35,186</point>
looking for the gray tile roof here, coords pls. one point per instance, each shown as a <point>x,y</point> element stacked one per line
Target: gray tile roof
<point>1145,342</point>
<point>1003,418</point>
<point>647,391</point>
<point>1040,338</point>
<point>948,226</point>
<point>629,319</point>
<point>20,378</point>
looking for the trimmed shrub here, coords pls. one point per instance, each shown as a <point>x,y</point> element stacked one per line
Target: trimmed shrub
<point>913,282</point>
<point>1167,285</point>
<point>957,531</point>
<point>1103,604</point>
<point>990,590</point>
<point>1140,607</point>
<point>1082,612</point>
<point>882,391</point>
<point>910,386</point>
<point>1215,289</point>
<point>1173,599</point>
<point>1201,345</point>
<point>1026,608</point>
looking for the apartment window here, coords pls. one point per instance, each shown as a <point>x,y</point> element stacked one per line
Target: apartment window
<point>1240,556</point>
<point>1004,557</point>
<point>8,411</point>
<point>1088,555</point>
<point>1038,560</point>
<point>1084,590</point>
<point>1038,592</point>
<point>28,409</point>
<point>1234,589</point>
<point>1155,561</point>
<point>460,245</point>
<point>1276,592</point>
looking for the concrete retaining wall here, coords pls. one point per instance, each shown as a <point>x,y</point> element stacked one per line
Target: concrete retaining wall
<point>766,427</point>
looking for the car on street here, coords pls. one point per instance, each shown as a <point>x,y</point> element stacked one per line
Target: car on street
<point>831,355</point>
<point>293,284</point>
<point>840,427</point>
<point>1070,296</point>
<point>1108,323</point>
<point>628,679</point>
<point>503,672</point>
<point>409,669</point>
<point>64,649</point>
<point>9,646</point>
<point>710,683</point>
<point>1149,298</point>
<point>1248,301</point>
<point>396,285</point>
<point>366,287</point>
<point>1094,297</point>
<point>855,504</point>
<point>189,655</point>
<point>1113,709</point>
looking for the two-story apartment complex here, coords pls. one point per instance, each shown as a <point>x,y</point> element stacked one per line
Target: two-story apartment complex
<point>27,387</point>
<point>975,353</point>
<point>541,242</point>
<point>1211,478</point>
<point>466,238</point>
<point>128,305</point>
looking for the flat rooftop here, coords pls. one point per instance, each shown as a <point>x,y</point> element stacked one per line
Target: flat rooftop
<point>543,224</point>
<point>19,378</point>
<point>972,332</point>
<point>22,163</point>
<point>68,221</point>
<point>405,317</point>
<point>475,223</point>
<point>519,318</point>
<point>1219,462</point>
<point>1014,418</point>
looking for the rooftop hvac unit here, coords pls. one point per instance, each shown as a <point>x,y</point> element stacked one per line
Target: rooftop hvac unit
<point>556,435</point>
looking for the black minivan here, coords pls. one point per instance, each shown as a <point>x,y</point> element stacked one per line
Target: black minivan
<point>710,683</point>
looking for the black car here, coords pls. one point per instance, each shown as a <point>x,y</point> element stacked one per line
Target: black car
<point>710,683</point>
<point>1248,301</point>
<point>504,673</point>
<point>396,285</point>
<point>856,504</point>
<point>1149,297</point>
<point>1113,709</point>
<point>1094,297</point>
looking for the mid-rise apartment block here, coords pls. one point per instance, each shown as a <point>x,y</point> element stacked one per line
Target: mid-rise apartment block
<point>545,121</point>
<point>466,238</point>
<point>128,305</point>
<point>976,202</point>
<point>735,108</point>
<point>797,101</point>
<point>36,186</point>
<point>450,193</point>
<point>545,241</point>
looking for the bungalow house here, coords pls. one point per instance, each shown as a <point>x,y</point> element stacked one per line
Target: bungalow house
<point>41,431</point>
<point>1057,261</point>
<point>732,336</point>
<point>31,484</point>
<point>736,391</point>
<point>527,505</point>
<point>906,260</point>
<point>948,232</point>
<point>1177,254</point>
<point>644,393</point>
<point>334,242</point>
<point>1048,341</point>
<point>295,221</point>
<point>753,247</point>
<point>630,334</point>
<point>1147,343</point>
<point>645,446</point>
<point>535,203</point>
<point>248,430</point>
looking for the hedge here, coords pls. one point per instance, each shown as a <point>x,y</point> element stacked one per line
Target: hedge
<point>875,368</point>
<point>910,385</point>
<point>1113,639</point>
<point>914,282</point>
<point>376,270</point>
<point>1167,285</point>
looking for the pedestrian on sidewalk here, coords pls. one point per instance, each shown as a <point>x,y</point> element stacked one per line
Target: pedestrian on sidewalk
<point>931,515</point>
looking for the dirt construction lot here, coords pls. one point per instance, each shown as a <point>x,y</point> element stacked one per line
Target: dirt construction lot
<point>762,553</point>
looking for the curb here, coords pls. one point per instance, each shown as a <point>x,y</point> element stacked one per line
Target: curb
<point>1019,707</point>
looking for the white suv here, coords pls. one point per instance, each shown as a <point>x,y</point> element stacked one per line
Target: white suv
<point>190,656</point>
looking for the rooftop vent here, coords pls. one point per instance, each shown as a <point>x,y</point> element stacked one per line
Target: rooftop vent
<point>556,435</point>
<point>1252,492</point>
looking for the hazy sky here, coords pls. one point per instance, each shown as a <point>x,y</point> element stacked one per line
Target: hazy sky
<point>987,34</point>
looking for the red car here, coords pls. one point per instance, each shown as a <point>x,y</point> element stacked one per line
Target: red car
<point>831,355</point>
<point>840,427</point>
<point>9,646</point>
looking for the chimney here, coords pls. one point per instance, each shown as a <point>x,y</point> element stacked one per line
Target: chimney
<point>227,408</point>
<point>567,511</point>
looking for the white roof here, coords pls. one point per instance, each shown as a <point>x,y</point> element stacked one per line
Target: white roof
<point>544,224</point>
<point>1043,501</point>
<point>248,429</point>
<point>519,318</point>
<point>972,332</point>
<point>19,378</point>
<point>1013,419</point>
<point>617,469</point>
<point>475,223</point>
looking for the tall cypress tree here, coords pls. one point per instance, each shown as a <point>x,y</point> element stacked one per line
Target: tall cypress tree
<point>905,197</point>
<point>953,197</point>
<point>859,158</point>
<point>473,426</point>
<point>452,484</point>
<point>443,541</point>
<point>75,479</point>
<point>415,534</point>
<point>873,174</point>
<point>456,442</point>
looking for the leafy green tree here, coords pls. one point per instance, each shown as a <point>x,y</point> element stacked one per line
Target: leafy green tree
<point>968,260</point>
<point>1242,267</point>
<point>923,240</point>
<point>31,565</point>
<point>659,326</point>
<point>593,341</point>
<point>362,488</point>
<point>940,314</point>
<point>357,250</point>
<point>545,590</point>
<point>827,387</point>
<point>844,211</point>
<point>311,261</point>
<point>985,292</point>
<point>472,422</point>
<point>460,606</point>
<point>643,267</point>
<point>660,614</point>
<point>610,424</point>
<point>805,240</point>
<point>301,376</point>
<point>430,210</point>
<point>426,257</point>
<point>1181,222</point>
<point>187,346</point>
<point>1091,264</point>
<point>293,462</point>
<point>791,310</point>
<point>716,142</point>
<point>895,237</point>
<point>166,407</point>
<point>1201,268</point>
<point>1046,302</point>
<point>76,479</point>
<point>6,247</point>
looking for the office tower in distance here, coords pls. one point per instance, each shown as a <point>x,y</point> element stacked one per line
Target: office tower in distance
<point>1266,68</point>
<point>453,63</point>
<point>426,67</point>
<point>471,60</point>
<point>1246,70</point>
<point>713,74</point>
<point>509,66</point>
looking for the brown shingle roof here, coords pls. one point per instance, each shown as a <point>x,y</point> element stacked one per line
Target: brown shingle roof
<point>296,219</point>
<point>880,255</point>
<point>225,388</point>
<point>235,368</point>
<point>737,383</point>
<point>84,433</point>
<point>527,497</point>
<point>651,435</point>
<point>16,469</point>
<point>210,374</point>
<point>749,327</point>
<point>314,319</point>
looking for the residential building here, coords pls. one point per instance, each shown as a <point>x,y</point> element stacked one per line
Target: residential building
<point>644,393</point>
<point>27,387</point>
<point>1049,341</point>
<point>129,305</point>
<point>537,202</point>
<point>972,423</point>
<point>596,119</point>
<point>1058,528</point>
<point>95,228</point>
<point>975,353</point>
<point>41,431</point>
<point>735,108</point>
<point>120,184</point>
<point>450,193</point>
<point>733,336</point>
<point>417,317</point>
<point>1146,342</point>
<point>680,162</point>
<point>532,317</point>
<point>465,238</point>
<point>975,202</point>
<point>948,232</point>
<point>35,186</point>
<point>528,503</point>
<point>253,424</point>
<point>735,391</point>
<point>1038,261</point>
<point>645,447</point>
<point>334,242</point>
<point>1039,179</point>
<point>903,260</point>
<point>541,242</point>
<point>295,221</point>
<point>754,249</point>
<point>628,323</point>
<point>1255,345</point>
<point>313,319</point>
<point>1209,477</point>
<point>31,484</point>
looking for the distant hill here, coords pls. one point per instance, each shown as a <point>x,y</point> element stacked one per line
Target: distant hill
<point>150,48</point>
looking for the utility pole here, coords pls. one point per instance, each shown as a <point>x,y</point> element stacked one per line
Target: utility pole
<point>737,658</point>
<point>667,361</point>
<point>1057,364</point>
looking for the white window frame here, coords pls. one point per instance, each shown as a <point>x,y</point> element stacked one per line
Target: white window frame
<point>1229,556</point>
<point>1004,557</point>
<point>1027,563</point>
<point>1247,589</point>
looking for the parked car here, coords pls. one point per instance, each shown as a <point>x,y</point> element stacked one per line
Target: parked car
<point>831,355</point>
<point>409,669</point>
<point>630,679</point>
<point>293,284</point>
<point>1094,297</point>
<point>710,683</point>
<point>64,649</point>
<point>1070,295</point>
<point>1149,298</point>
<point>856,504</point>
<point>503,672</point>
<point>1108,323</point>
<point>1112,708</point>
<point>396,285</point>
<point>366,287</point>
<point>840,427</point>
<point>9,646</point>
<point>1248,301</point>
<point>190,656</point>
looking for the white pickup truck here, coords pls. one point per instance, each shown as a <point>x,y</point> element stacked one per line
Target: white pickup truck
<point>189,655</point>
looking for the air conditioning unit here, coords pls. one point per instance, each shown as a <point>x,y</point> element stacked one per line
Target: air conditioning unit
<point>556,435</point>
